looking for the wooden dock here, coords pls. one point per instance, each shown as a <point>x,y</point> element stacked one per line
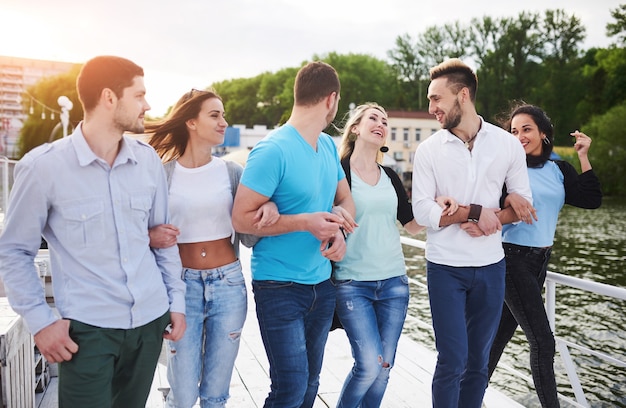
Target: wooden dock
<point>409,382</point>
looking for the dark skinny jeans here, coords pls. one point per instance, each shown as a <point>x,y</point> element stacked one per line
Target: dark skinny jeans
<point>526,269</point>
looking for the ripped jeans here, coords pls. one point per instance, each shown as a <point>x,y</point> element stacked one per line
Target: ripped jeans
<point>201,363</point>
<point>372,313</point>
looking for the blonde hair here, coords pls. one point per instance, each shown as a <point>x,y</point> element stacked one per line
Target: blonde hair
<point>348,138</point>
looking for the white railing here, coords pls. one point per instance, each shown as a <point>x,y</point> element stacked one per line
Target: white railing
<point>6,178</point>
<point>563,346</point>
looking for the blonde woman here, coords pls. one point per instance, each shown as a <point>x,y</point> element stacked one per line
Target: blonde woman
<point>371,281</point>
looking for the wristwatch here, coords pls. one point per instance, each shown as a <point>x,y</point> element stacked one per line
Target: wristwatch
<point>474,212</point>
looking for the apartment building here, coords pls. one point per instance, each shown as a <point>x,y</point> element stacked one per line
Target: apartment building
<point>16,75</point>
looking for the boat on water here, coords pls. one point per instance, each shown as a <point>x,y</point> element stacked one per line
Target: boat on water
<point>410,380</point>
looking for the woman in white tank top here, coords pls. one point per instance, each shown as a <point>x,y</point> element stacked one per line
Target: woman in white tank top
<point>201,189</point>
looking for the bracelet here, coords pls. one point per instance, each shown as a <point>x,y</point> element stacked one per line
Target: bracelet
<point>474,212</point>
<point>343,232</point>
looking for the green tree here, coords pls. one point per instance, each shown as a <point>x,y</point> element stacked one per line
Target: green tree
<point>411,72</point>
<point>608,150</point>
<point>364,78</point>
<point>275,96</point>
<point>36,130</point>
<point>507,50</point>
<point>604,73</point>
<point>241,100</point>
<point>618,28</point>
<point>560,86</point>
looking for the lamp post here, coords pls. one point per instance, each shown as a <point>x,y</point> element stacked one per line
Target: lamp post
<point>351,106</point>
<point>66,106</point>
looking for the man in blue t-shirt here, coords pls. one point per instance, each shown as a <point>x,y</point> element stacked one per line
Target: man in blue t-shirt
<point>297,167</point>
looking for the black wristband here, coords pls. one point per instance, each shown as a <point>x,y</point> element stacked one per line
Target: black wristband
<point>474,212</point>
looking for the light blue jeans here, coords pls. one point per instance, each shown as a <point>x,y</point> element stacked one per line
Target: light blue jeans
<point>201,363</point>
<point>372,314</point>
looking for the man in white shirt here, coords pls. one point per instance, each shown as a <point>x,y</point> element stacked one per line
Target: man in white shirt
<point>470,160</point>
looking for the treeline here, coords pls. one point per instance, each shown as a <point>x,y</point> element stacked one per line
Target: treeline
<point>532,57</point>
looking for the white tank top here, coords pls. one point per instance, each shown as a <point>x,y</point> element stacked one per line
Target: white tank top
<point>201,202</point>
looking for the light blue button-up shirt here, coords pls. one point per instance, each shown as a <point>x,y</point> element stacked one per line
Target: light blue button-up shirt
<point>95,218</point>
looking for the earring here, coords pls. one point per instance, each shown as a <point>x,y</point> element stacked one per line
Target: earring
<point>546,140</point>
<point>352,137</point>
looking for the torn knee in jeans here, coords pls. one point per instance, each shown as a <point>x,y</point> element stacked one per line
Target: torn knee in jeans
<point>383,363</point>
<point>234,336</point>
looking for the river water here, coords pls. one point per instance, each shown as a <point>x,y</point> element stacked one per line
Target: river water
<point>589,244</point>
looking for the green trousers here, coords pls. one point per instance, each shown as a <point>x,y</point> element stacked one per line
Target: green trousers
<point>113,368</point>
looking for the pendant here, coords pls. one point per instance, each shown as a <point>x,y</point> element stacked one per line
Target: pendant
<point>467,144</point>
<point>203,253</point>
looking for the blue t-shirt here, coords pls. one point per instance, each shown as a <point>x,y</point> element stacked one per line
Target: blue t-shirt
<point>285,168</point>
<point>548,192</point>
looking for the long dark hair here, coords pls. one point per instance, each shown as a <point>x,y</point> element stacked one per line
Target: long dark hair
<point>544,124</point>
<point>169,136</point>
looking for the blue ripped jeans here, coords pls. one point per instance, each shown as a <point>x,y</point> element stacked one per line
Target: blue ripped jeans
<point>201,363</point>
<point>372,314</point>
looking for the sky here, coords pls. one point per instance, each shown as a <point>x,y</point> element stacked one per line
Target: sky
<point>186,44</point>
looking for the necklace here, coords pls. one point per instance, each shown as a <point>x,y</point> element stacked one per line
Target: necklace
<point>470,140</point>
<point>375,179</point>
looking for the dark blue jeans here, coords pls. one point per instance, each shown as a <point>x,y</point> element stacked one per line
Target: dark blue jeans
<point>294,320</point>
<point>465,304</point>
<point>525,275</point>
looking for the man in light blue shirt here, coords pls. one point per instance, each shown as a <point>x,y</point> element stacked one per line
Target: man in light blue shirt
<point>93,196</point>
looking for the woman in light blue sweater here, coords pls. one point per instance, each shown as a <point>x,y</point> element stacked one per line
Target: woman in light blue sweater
<point>528,247</point>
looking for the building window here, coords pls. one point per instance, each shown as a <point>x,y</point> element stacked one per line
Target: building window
<point>418,134</point>
<point>405,134</point>
<point>433,131</point>
<point>397,156</point>
<point>393,134</point>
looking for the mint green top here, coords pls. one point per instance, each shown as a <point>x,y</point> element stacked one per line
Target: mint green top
<point>374,251</point>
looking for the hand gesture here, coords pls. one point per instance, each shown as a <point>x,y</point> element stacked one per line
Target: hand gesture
<point>176,328</point>
<point>163,236</point>
<point>489,223</point>
<point>323,225</point>
<point>581,142</point>
<point>54,342</point>
<point>523,210</point>
<point>449,204</point>
<point>348,222</point>
<point>266,215</point>
<point>334,248</point>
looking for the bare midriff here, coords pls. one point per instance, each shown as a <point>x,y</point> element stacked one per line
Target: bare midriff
<point>208,254</point>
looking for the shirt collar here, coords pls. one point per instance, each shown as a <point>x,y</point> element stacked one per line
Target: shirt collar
<point>451,137</point>
<point>86,156</point>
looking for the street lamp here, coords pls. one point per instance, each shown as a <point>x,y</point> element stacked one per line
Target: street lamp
<point>66,106</point>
